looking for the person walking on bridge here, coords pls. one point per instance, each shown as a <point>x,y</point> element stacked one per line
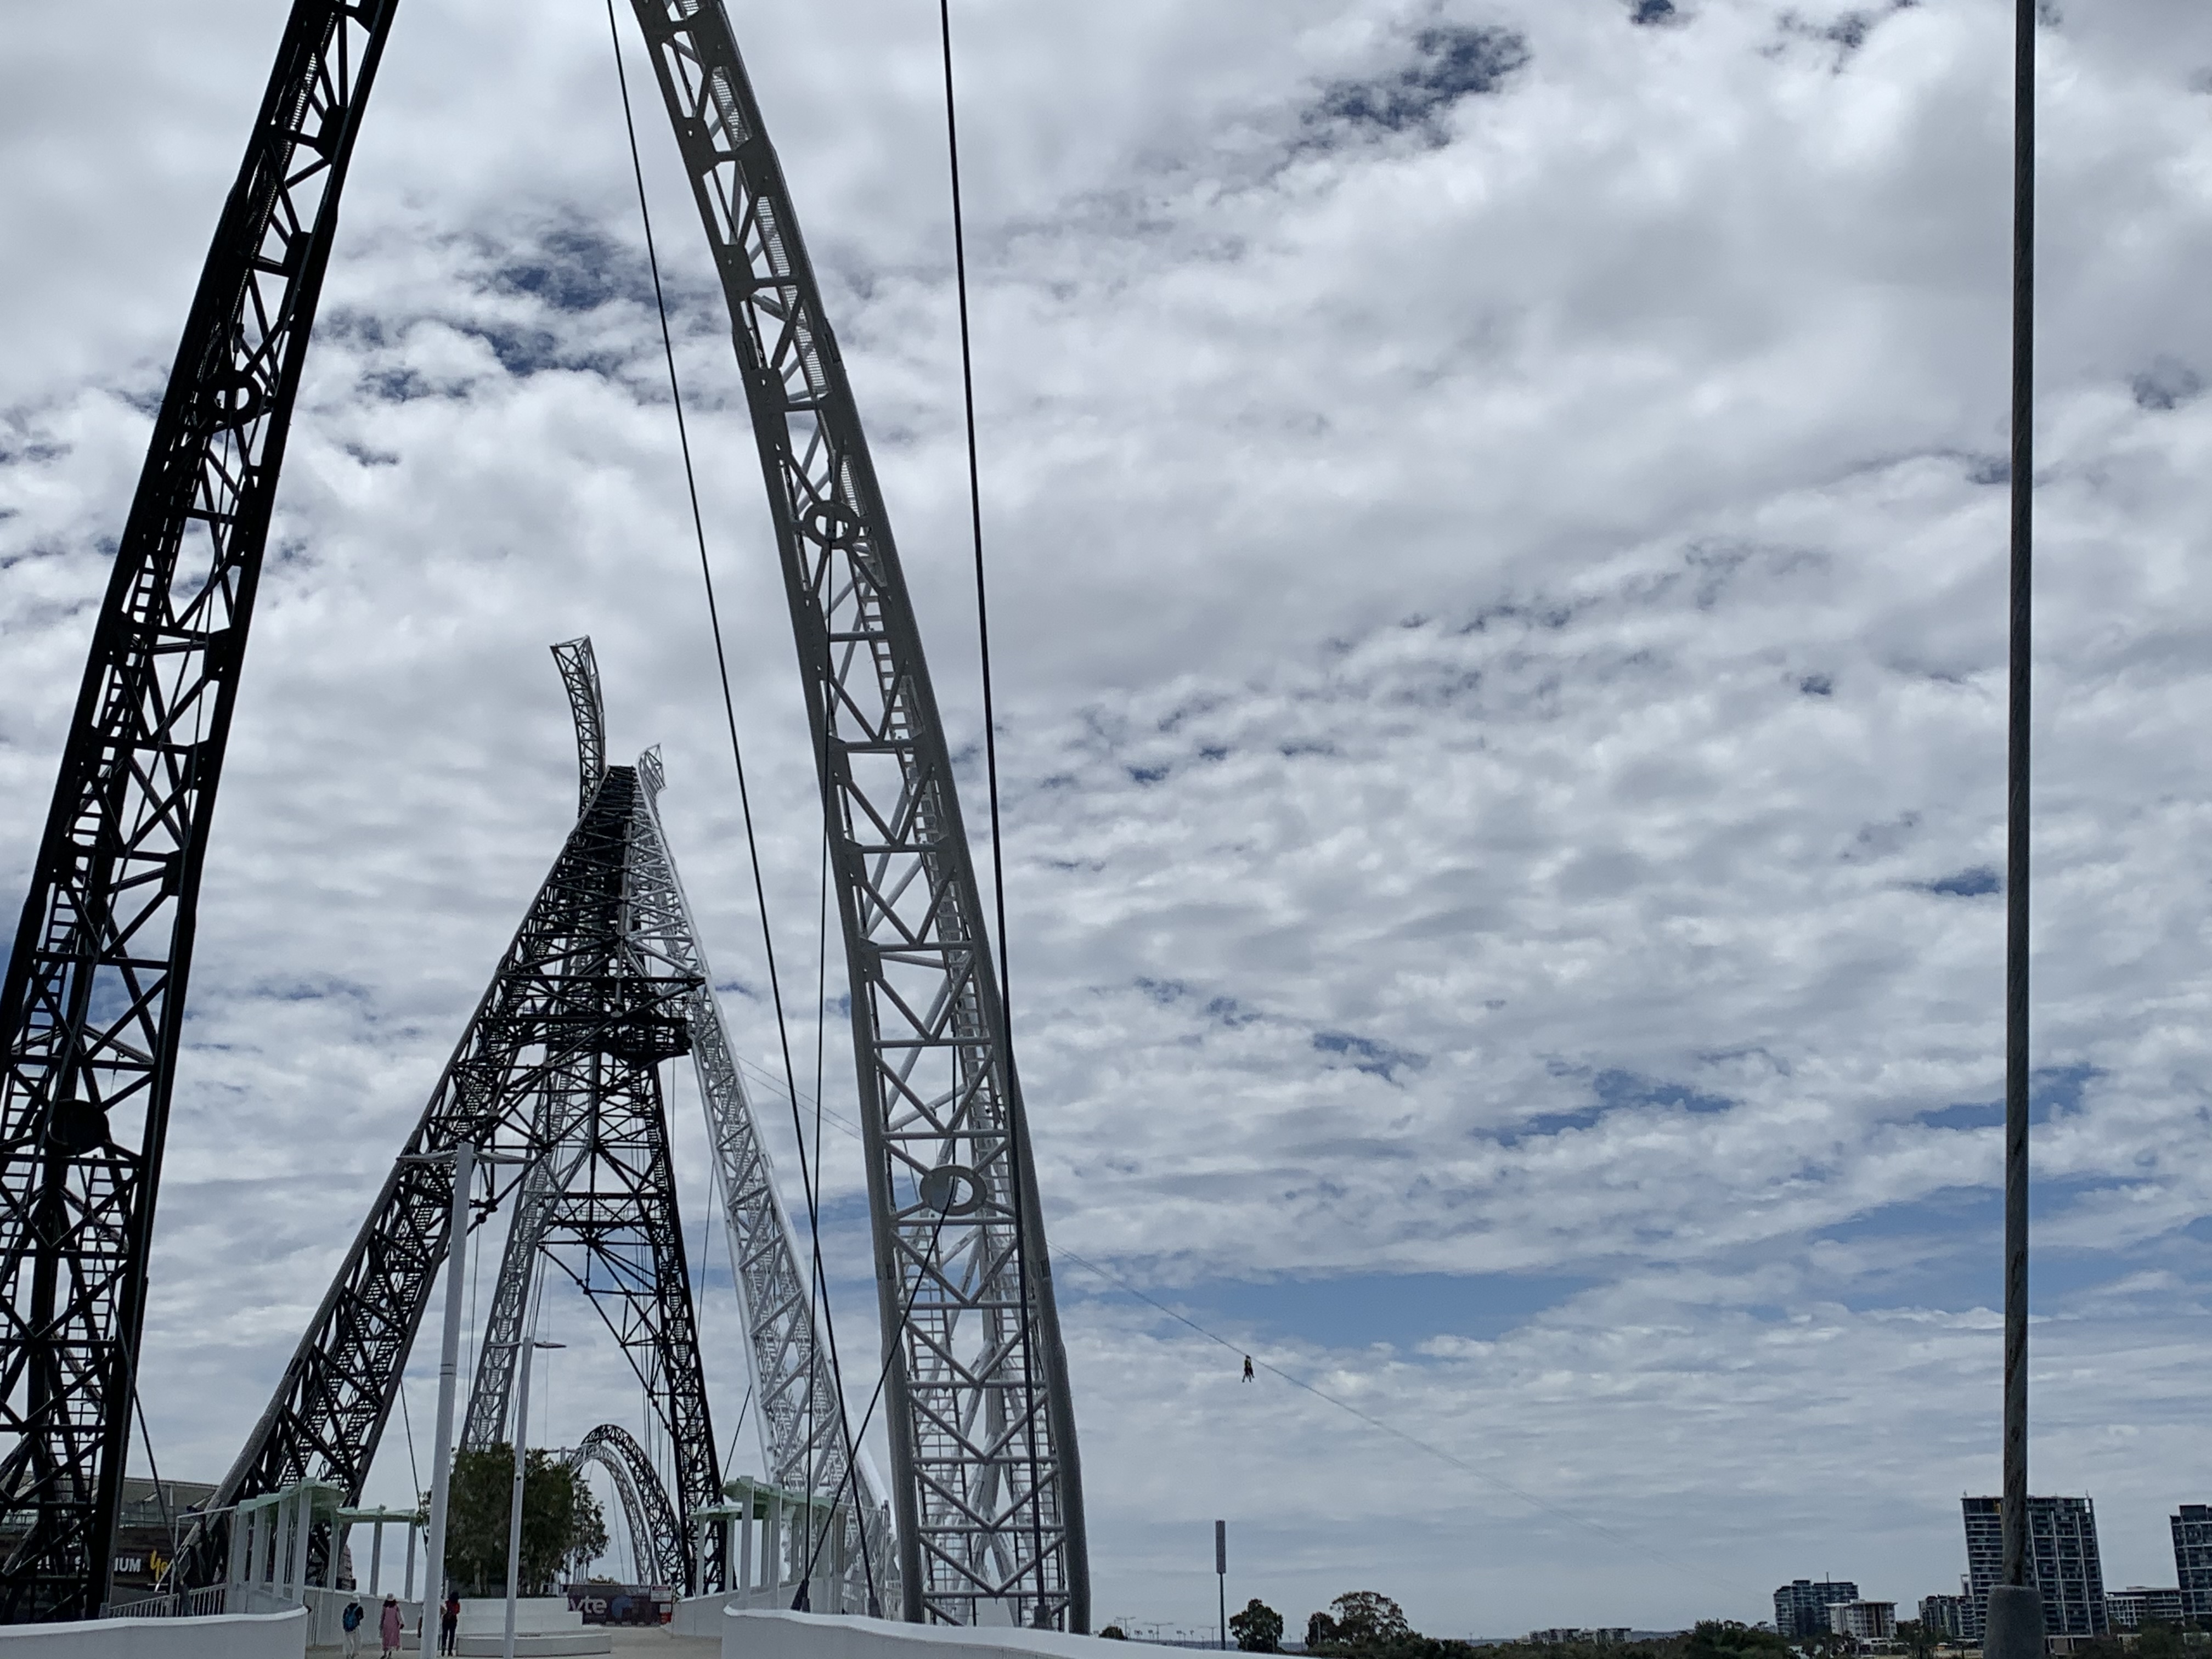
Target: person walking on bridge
<point>449,1622</point>
<point>391,1627</point>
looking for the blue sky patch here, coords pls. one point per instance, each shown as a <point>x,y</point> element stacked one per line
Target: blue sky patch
<point>1360,1309</point>
<point>1979,882</point>
<point>1618,1088</point>
<point>1368,1055</point>
<point>1451,62</point>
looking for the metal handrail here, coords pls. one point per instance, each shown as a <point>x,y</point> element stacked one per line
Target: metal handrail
<point>172,1604</point>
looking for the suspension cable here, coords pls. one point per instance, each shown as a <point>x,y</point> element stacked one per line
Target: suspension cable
<point>407,1421</point>
<point>730,717</point>
<point>146,1439</point>
<point>882,1376</point>
<point>1014,1144</point>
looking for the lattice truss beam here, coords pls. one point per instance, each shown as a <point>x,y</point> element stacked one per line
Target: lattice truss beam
<point>802,1434</point>
<point>559,1065</point>
<point>655,1537</point>
<point>93,1001</point>
<point>986,1478</point>
<point>985,1470</point>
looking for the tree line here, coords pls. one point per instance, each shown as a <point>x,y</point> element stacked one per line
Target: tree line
<point>1367,1624</point>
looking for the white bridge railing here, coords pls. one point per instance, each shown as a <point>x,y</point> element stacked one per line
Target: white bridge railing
<point>177,1604</point>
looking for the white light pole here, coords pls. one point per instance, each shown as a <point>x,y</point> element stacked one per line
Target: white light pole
<point>515,1504</point>
<point>464,1156</point>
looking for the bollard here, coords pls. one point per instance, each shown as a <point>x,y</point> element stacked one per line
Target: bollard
<point>2012,1628</point>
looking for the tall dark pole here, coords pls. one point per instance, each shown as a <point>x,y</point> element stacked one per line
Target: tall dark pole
<point>1221,1575</point>
<point>2015,1509</point>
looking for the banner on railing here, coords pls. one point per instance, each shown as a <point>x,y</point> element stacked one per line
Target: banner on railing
<point>622,1604</point>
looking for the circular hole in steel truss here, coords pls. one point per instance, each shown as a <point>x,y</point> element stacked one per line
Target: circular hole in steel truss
<point>953,1189</point>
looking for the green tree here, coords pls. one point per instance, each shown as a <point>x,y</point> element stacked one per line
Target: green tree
<point>1366,1625</point>
<point>1258,1629</point>
<point>1113,1633</point>
<point>1366,1619</point>
<point>561,1519</point>
<point>1724,1639</point>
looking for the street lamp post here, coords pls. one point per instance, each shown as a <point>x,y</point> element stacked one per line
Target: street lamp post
<point>464,1156</point>
<point>515,1504</point>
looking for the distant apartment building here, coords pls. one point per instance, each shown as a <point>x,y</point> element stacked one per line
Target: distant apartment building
<point>2192,1558</point>
<point>1863,1621</point>
<point>1800,1607</point>
<point>1944,1617</point>
<point>2135,1606</point>
<point>2062,1560</point>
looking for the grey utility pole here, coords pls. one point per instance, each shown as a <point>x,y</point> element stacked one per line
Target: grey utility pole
<point>1221,1575</point>
<point>2013,1625</point>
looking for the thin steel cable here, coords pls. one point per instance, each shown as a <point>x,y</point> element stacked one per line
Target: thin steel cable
<point>2013,1505</point>
<point>1116,1279</point>
<point>882,1376</point>
<point>413,1467</point>
<point>730,717</point>
<point>743,1405</point>
<point>990,771</point>
<point>817,1290</point>
<point>146,1439</point>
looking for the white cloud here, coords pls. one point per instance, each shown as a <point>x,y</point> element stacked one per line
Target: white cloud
<point>1500,631</point>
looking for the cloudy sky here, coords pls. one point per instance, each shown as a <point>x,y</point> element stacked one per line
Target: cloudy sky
<point>1496,519</point>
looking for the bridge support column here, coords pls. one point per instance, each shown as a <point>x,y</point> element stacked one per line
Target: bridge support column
<point>303,1522</point>
<point>265,1557</point>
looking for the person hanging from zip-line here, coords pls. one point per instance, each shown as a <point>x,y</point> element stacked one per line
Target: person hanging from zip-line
<point>1248,1368</point>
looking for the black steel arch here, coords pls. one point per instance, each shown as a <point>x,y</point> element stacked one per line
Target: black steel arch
<point>559,1065</point>
<point>985,1470</point>
<point>646,1508</point>
<point>987,1474</point>
<point>93,1001</point>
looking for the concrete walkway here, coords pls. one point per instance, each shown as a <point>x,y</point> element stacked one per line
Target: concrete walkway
<point>644,1642</point>
<point>639,1643</point>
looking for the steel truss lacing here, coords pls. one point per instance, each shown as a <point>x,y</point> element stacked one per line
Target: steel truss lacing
<point>807,1181</point>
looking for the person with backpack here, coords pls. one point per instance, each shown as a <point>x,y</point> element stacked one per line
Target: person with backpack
<point>349,1622</point>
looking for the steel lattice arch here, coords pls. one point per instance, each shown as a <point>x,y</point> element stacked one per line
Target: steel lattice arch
<point>604,983</point>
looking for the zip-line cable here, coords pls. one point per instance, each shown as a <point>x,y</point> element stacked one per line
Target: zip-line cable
<point>730,716</point>
<point>1372,1421</point>
<point>809,1167</point>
